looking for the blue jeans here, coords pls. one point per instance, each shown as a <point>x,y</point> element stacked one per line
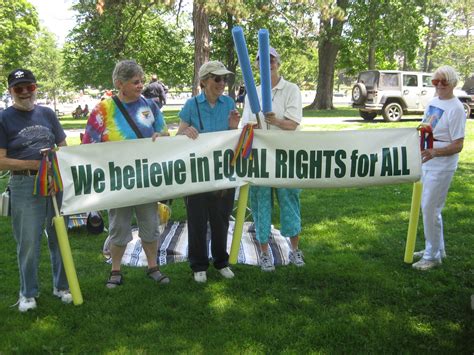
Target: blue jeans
<point>30,215</point>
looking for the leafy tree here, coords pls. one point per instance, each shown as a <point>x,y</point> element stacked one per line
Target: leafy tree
<point>381,34</point>
<point>121,29</point>
<point>46,62</point>
<point>18,26</point>
<point>456,47</point>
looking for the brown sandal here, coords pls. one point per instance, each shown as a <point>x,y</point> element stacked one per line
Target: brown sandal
<point>115,279</point>
<point>155,274</point>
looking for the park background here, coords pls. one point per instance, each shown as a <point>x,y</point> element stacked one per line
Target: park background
<point>355,294</point>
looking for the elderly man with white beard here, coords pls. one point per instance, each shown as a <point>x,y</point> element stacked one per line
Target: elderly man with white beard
<point>26,129</point>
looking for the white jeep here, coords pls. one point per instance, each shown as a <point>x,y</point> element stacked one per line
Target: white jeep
<point>393,93</point>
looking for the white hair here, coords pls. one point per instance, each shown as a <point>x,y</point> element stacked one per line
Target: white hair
<point>448,73</point>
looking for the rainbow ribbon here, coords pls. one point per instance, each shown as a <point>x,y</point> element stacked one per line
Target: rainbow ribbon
<point>244,146</point>
<point>426,137</point>
<point>41,186</point>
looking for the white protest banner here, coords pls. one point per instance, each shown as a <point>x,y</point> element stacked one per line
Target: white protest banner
<point>117,174</point>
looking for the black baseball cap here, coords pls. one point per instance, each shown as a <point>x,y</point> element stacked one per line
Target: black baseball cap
<point>19,76</point>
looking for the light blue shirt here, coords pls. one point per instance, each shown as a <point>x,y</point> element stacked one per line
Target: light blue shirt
<point>214,119</point>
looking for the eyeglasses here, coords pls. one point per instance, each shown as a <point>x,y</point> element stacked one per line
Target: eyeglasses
<point>29,88</point>
<point>443,82</point>
<point>219,78</point>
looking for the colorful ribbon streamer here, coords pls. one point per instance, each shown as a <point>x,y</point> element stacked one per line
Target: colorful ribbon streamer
<point>244,146</point>
<point>426,137</point>
<point>41,186</point>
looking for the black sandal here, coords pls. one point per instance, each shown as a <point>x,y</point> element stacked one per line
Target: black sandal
<point>115,279</point>
<point>155,274</point>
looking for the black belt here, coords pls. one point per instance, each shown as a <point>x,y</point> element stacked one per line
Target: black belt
<point>437,140</point>
<point>27,172</point>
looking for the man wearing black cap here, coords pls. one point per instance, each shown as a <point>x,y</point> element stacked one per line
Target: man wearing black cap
<point>25,129</point>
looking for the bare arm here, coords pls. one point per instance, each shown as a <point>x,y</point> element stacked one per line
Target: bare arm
<point>16,164</point>
<point>285,123</point>
<point>455,147</point>
<point>188,130</point>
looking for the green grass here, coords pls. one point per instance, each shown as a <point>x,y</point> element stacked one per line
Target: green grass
<point>355,295</point>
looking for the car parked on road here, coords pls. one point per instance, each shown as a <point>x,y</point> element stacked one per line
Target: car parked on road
<point>393,93</point>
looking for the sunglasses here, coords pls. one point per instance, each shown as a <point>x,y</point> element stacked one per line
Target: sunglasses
<point>29,88</point>
<point>219,78</point>
<point>443,82</point>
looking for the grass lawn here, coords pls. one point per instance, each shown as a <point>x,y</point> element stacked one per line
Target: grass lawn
<point>355,294</point>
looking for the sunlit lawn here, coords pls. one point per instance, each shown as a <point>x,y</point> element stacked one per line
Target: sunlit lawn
<point>354,296</point>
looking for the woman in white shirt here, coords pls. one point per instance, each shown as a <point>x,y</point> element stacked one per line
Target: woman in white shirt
<point>447,119</point>
<point>286,115</point>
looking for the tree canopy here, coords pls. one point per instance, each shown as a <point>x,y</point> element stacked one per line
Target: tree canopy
<point>320,41</point>
<point>18,28</point>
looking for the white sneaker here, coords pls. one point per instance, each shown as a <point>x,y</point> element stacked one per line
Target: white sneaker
<point>266,263</point>
<point>419,254</point>
<point>26,303</point>
<point>424,264</point>
<point>226,272</point>
<point>64,295</point>
<point>200,276</point>
<point>296,257</point>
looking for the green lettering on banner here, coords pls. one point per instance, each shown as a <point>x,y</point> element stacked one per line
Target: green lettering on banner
<point>146,179</point>
<point>253,170</point>
<point>228,167</point>
<point>340,171</point>
<point>203,173</point>
<point>241,165</point>
<point>405,170</point>
<point>329,154</point>
<point>99,180</point>
<point>315,164</point>
<point>281,169</point>
<point>386,169</point>
<point>155,174</point>
<point>301,164</point>
<point>180,171</point>
<point>218,173</point>
<point>82,179</point>
<point>167,172</point>
<point>192,160</point>
<point>263,164</point>
<point>128,177</point>
<point>115,177</point>
<point>373,161</point>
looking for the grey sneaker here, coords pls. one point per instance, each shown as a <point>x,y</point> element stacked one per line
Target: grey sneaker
<point>296,257</point>
<point>64,295</point>
<point>226,272</point>
<point>419,254</point>
<point>266,263</point>
<point>424,264</point>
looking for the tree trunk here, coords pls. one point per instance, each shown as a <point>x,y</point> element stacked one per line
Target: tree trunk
<point>331,30</point>
<point>327,53</point>
<point>371,59</point>
<point>201,41</point>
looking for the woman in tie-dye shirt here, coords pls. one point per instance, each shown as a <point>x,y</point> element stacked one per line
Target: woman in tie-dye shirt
<point>105,124</point>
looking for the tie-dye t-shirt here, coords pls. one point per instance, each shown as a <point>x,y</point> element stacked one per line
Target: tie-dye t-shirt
<point>106,123</point>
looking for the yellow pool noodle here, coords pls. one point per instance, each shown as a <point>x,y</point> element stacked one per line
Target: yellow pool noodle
<point>68,262</point>
<point>413,222</point>
<point>239,223</point>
